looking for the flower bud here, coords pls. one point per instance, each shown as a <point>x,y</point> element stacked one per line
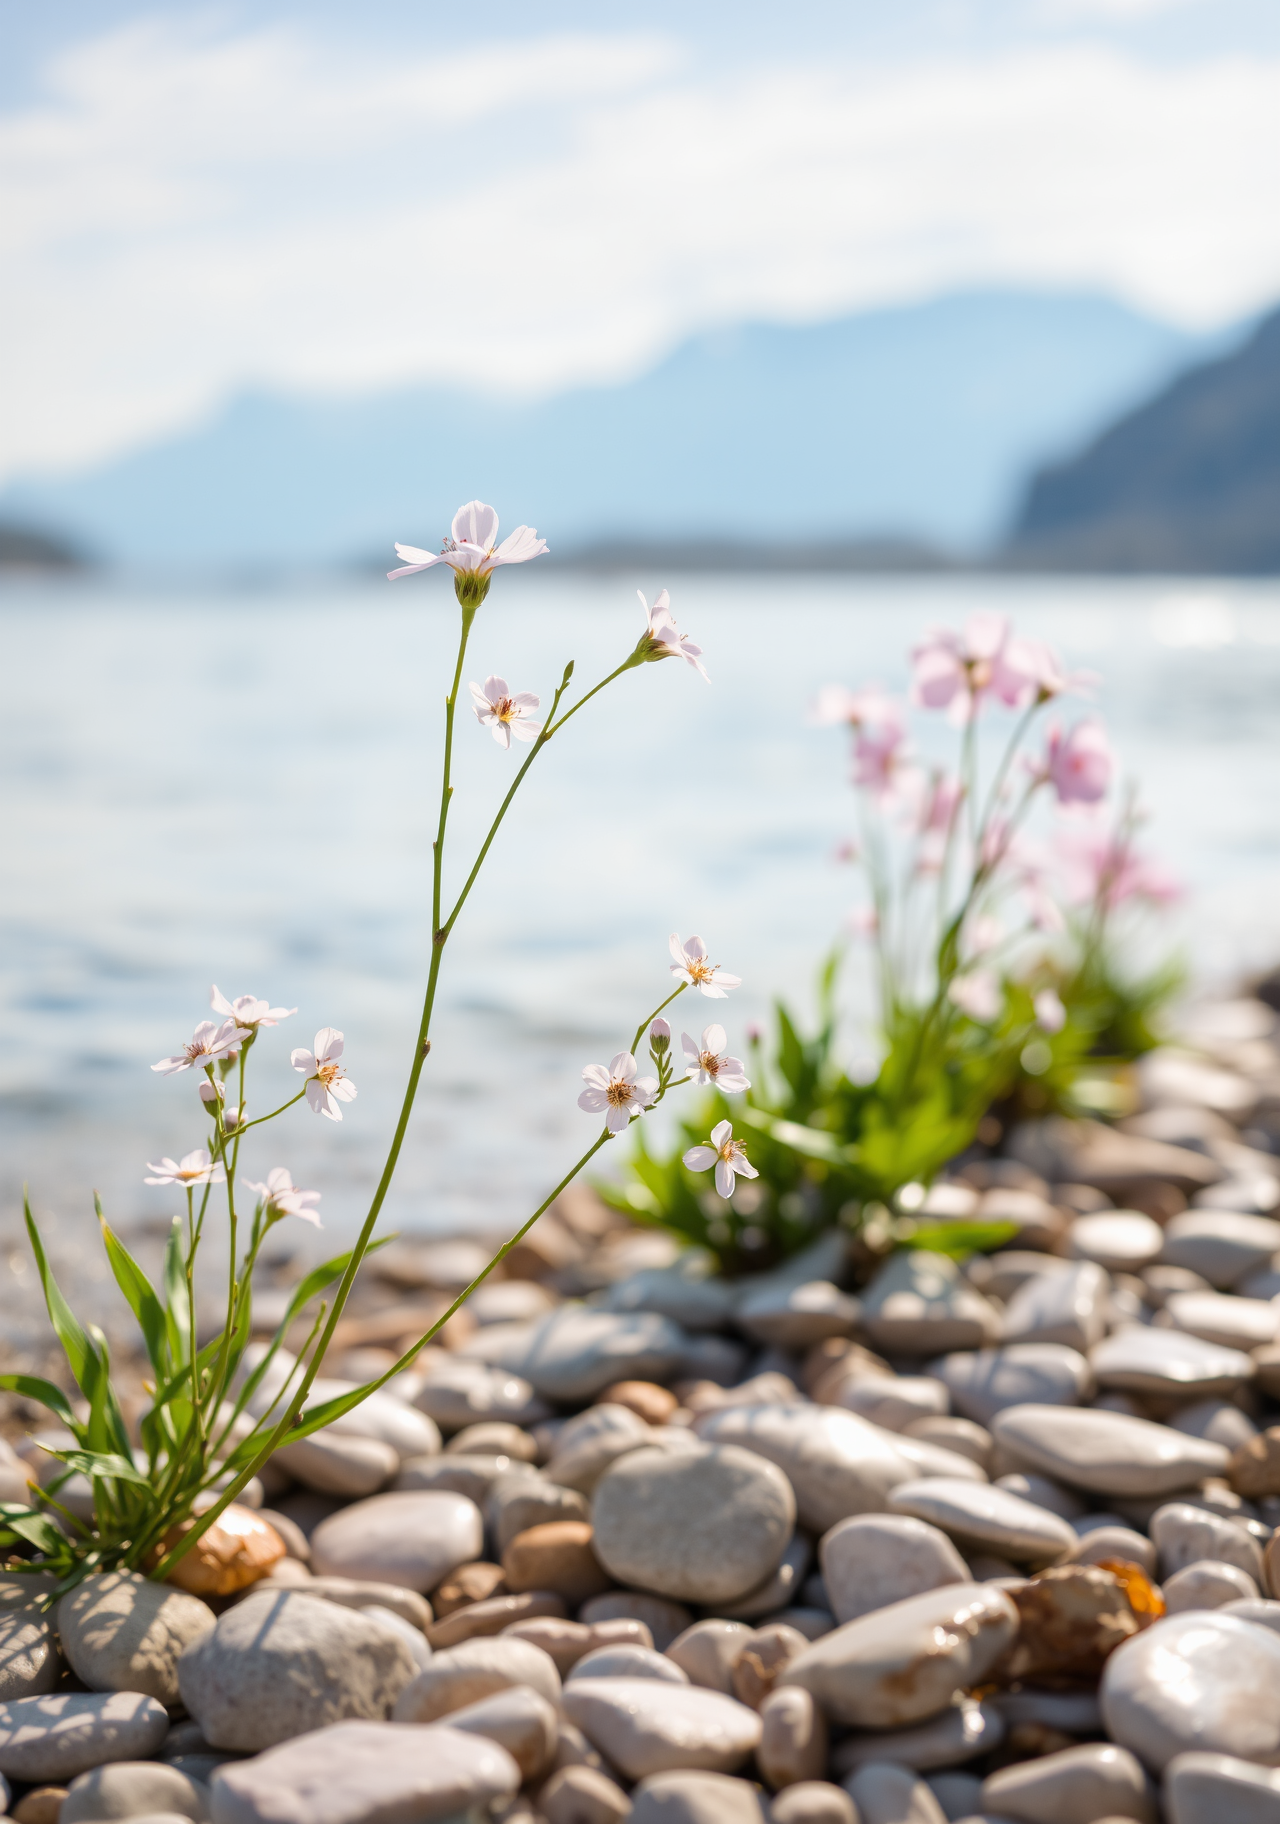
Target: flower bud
<point>211,1092</point>
<point>471,587</point>
<point>755,1032</point>
<point>660,1036</point>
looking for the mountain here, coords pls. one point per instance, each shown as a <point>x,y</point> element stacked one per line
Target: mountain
<point>912,423</point>
<point>1188,482</point>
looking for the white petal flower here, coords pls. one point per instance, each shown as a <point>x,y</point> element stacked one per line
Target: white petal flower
<point>192,1169</point>
<point>692,968</point>
<point>709,1062</point>
<point>207,1045</point>
<point>281,1196</point>
<point>505,714</point>
<point>1051,1015</point>
<point>726,1154</point>
<point>473,546</point>
<point>978,995</point>
<point>665,638</point>
<point>616,1093</point>
<point>248,1010</point>
<point>327,1084</point>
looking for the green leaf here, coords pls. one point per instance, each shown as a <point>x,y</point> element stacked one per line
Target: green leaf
<point>810,1141</point>
<point>177,1315</point>
<point>959,1239</point>
<point>101,1465</point>
<point>35,1529</point>
<point>80,1353</point>
<point>32,1387</point>
<point>138,1290</point>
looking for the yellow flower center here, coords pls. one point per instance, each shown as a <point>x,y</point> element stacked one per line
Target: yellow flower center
<point>700,970</point>
<point>710,1062</point>
<point>619,1093</point>
<point>328,1074</point>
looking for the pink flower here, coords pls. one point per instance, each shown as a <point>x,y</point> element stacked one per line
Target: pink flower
<point>953,671</point>
<point>505,714</point>
<point>1028,669</point>
<point>192,1169</point>
<point>942,799</point>
<point>281,1197</point>
<point>1078,764</point>
<point>207,1045</point>
<point>726,1154</point>
<point>665,639</point>
<point>869,709</point>
<point>327,1084</point>
<point>1105,865</point>
<point>709,1063</point>
<point>616,1093</point>
<point>247,1010</point>
<point>863,921</point>
<point>473,551</point>
<point>879,763</point>
<point>692,968</point>
<point>1051,1015</point>
<point>977,995</point>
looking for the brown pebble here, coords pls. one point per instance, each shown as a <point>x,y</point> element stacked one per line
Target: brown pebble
<point>646,1399</point>
<point>39,1806</point>
<point>237,1550</point>
<point>469,1583</point>
<point>567,1641</point>
<point>582,1795</point>
<point>663,1618</point>
<point>480,1619</point>
<point>1071,1618</point>
<point>763,1660</point>
<point>556,1556</point>
<point>812,1802</point>
<point>1253,1469</point>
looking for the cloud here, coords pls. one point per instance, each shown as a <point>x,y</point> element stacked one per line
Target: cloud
<point>186,213</point>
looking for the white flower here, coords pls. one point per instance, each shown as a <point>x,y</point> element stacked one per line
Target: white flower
<point>507,715</point>
<point>1051,1015</point>
<point>692,968</point>
<point>665,637</point>
<point>977,995</point>
<point>281,1196</point>
<point>326,1085</point>
<point>208,1043</point>
<point>473,546</point>
<point>709,1063</point>
<point>726,1154</point>
<point>192,1169</point>
<point>617,1093</point>
<point>248,1010</point>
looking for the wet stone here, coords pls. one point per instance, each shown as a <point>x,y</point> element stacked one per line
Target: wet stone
<point>1200,1681</point>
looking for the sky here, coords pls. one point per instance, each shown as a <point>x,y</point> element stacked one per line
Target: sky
<point>321,197</point>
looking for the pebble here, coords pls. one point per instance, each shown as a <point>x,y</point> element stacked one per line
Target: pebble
<point>959,1794</point>
<point>793,1741</point>
<point>927,1460</point>
<point>237,1550</point>
<point>706,1652</point>
<point>574,1353</point>
<point>1074,1786</point>
<point>494,1615</point>
<point>54,1737</point>
<point>556,1556</point>
<point>1207,1585</point>
<point>985,1382</point>
<point>688,1296</point>
<point>41,1805</point>
<point>698,1798</point>
<point>593,1440</point>
<point>1042,1491</point>
<point>1254,1468</point>
<point>472,1476</point>
<point>279,1664</point>
<point>410,1539</point>
<point>920,1304</point>
<point>1234,1322</point>
<point>664,1619</point>
<point>1183,1534</point>
<point>568,1641</point>
<point>893,1401</point>
<point>132,1789</point>
<point>763,1660</point>
<point>492,1438</point>
<point>582,1795</point>
<point>872,1560</point>
<point>351,1594</point>
<point>644,1726</point>
<point>1217,1420</point>
<point>28,1649</point>
<point>705,1527</point>
<point>796,1317</point>
<point>628,1661</point>
<point>980,1517</point>
<point>1107,1453</point>
<point>960,1733</point>
<point>779,1589</point>
<point>1121,1545</point>
<point>883,1793</point>
<point>476,1669</point>
<point>458,1392</point>
<point>516,1503</point>
<point>902,1663</point>
<point>361,1772</point>
<point>646,1399</point>
<point>1220,1245</point>
<point>1138,1359</point>
<point>1070,1619</point>
<point>813,1802</point>
<point>509,1301</point>
<point>1260,1610</point>
<point>120,1632</point>
<point>837,1463</point>
<point>518,1719</point>
<point>1215,1788</point>
<point>960,1436</point>
<point>1123,1241</point>
<point>1063,1305</point>
<point>338,1463</point>
<point>1197,1681</point>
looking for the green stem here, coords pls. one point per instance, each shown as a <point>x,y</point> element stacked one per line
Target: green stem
<point>271,1117</point>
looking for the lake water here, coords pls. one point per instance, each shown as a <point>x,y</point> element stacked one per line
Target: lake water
<point>241,787</point>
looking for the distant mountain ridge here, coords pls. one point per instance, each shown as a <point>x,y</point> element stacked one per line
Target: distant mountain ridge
<point>1187,482</point>
<point>889,429</point>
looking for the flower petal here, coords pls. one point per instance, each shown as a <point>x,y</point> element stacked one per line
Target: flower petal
<point>713,1039</point>
<point>724,1178</point>
<point>593,1100</point>
<point>698,1158</point>
<point>721,1132</point>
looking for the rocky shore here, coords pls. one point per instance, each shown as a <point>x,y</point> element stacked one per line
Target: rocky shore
<point>875,1538</point>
